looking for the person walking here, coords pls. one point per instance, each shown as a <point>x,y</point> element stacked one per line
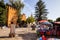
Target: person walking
<point>33,27</point>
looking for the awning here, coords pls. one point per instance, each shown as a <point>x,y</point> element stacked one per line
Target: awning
<point>57,22</point>
<point>43,21</point>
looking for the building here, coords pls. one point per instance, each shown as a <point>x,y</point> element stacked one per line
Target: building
<point>23,17</point>
<point>12,14</point>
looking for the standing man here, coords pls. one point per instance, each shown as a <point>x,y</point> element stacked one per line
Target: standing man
<point>12,29</point>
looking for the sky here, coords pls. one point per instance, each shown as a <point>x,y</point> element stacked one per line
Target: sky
<point>53,7</point>
<point>29,7</point>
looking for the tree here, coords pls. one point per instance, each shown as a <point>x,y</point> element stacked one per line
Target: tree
<point>18,5</point>
<point>49,20</point>
<point>40,12</point>
<point>30,19</point>
<point>3,13</point>
<point>58,19</point>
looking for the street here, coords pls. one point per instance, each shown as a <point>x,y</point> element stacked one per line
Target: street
<point>21,34</point>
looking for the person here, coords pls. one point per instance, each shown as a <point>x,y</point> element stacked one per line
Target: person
<point>43,37</point>
<point>33,27</point>
<point>12,30</point>
<point>40,38</point>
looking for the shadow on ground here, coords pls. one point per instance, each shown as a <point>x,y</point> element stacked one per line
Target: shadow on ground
<point>4,37</point>
<point>28,36</point>
<point>58,37</point>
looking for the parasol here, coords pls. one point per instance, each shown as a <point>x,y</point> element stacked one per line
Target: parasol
<point>45,22</point>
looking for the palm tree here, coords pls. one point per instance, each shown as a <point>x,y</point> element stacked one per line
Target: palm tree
<point>41,12</point>
<point>18,5</point>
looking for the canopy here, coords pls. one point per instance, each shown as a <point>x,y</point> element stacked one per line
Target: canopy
<point>45,22</point>
<point>57,22</point>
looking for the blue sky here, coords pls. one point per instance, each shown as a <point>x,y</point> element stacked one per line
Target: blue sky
<point>29,7</point>
<point>53,7</point>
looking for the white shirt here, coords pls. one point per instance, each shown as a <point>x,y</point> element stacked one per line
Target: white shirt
<point>12,29</point>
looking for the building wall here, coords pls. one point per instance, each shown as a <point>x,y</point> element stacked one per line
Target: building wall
<point>23,17</point>
<point>12,14</point>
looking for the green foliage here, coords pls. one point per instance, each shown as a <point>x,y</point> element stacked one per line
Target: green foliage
<point>17,4</point>
<point>3,10</point>
<point>58,19</point>
<point>30,20</point>
<point>3,13</point>
<point>50,20</point>
<point>41,12</point>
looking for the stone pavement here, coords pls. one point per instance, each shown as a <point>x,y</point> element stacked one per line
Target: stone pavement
<point>21,34</point>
